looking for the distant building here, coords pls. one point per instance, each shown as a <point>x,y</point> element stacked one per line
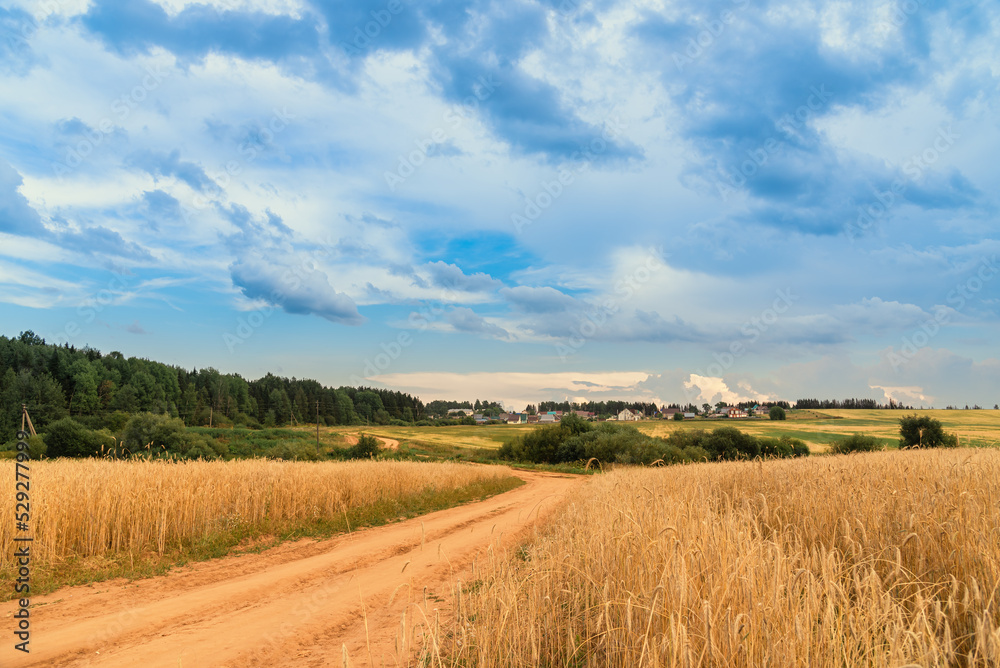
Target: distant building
<point>516,418</point>
<point>628,416</point>
<point>548,418</point>
<point>533,419</point>
<point>460,411</point>
<point>669,413</point>
<point>586,415</point>
<point>735,412</point>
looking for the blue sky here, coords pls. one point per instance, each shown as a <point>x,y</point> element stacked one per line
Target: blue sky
<point>667,201</point>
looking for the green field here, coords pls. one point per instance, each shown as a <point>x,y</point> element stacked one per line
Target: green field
<point>817,428</point>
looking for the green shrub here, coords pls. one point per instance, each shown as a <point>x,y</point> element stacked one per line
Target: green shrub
<point>367,447</point>
<point>925,432</point>
<point>69,438</point>
<point>159,435</point>
<point>856,443</point>
<point>776,413</point>
<point>729,443</point>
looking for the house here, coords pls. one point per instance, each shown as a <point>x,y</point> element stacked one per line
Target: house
<point>628,416</point>
<point>586,415</point>
<point>516,418</point>
<point>458,412</point>
<point>688,416</point>
<point>735,412</point>
<point>533,419</point>
<point>669,413</point>
<point>548,418</point>
<point>480,418</point>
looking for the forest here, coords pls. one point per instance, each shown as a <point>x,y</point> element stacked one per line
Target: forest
<point>104,390</point>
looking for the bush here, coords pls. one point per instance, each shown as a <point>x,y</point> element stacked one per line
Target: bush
<point>69,438</point>
<point>162,435</point>
<point>297,450</point>
<point>925,432</point>
<point>856,443</point>
<point>678,416</point>
<point>729,443</point>
<point>776,413</point>
<point>367,447</point>
<point>36,447</point>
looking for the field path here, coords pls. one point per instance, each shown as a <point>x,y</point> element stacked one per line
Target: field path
<point>298,604</point>
<point>390,443</point>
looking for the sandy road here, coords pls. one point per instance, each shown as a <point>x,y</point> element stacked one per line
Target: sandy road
<point>389,443</point>
<point>298,604</point>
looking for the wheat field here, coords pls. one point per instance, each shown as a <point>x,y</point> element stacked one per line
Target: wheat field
<point>94,514</point>
<point>881,559</point>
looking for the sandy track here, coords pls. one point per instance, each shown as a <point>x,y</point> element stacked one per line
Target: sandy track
<point>299,604</point>
<point>390,443</point>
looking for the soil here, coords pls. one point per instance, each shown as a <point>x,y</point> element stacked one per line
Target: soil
<point>359,599</point>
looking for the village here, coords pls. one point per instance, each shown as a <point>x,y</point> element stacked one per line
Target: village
<point>721,411</point>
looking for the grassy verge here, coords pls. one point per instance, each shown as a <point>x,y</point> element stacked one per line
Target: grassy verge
<point>238,537</point>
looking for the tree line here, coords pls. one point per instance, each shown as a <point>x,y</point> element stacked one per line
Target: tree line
<point>102,390</point>
<point>869,404</point>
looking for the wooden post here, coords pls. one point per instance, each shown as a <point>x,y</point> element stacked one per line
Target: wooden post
<point>317,423</point>
<point>27,418</point>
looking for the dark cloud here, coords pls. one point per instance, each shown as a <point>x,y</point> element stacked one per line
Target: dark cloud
<point>450,276</point>
<point>285,281</point>
<point>537,300</point>
<point>161,164</point>
<point>16,215</point>
<point>749,92</point>
<point>466,320</point>
<point>17,29</point>
<point>136,26</point>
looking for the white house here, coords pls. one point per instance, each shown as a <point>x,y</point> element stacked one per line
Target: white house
<point>628,416</point>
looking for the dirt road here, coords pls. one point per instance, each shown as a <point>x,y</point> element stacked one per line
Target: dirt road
<point>364,595</point>
<point>389,443</point>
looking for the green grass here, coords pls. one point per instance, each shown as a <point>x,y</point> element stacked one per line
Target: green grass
<point>817,428</point>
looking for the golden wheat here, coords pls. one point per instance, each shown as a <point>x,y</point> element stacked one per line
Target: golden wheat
<point>96,508</point>
<point>882,559</point>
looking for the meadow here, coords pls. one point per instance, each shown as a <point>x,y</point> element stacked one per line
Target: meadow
<point>93,519</point>
<point>975,428</point>
<point>880,559</point>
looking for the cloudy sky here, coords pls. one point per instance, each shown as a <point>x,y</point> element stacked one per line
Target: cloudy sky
<point>676,201</point>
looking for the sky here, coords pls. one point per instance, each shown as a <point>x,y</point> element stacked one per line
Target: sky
<point>691,201</point>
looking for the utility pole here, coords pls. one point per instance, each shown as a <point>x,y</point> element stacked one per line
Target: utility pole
<point>317,423</point>
<point>26,418</point>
